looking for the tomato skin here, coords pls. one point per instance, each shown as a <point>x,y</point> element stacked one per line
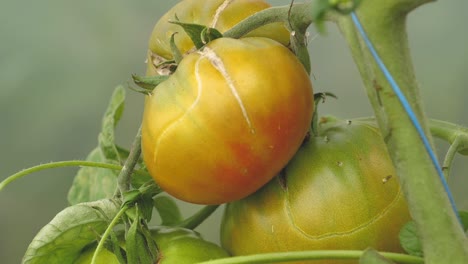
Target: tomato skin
<point>340,191</point>
<point>228,119</point>
<point>176,246</point>
<point>220,14</point>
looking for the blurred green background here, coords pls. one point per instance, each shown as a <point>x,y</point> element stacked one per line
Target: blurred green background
<point>60,61</point>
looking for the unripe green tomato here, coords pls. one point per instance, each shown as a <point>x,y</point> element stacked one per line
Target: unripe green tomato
<point>176,246</point>
<point>104,257</point>
<point>219,14</point>
<point>184,246</point>
<point>227,121</point>
<point>340,191</point>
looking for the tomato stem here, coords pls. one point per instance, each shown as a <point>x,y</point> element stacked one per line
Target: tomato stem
<point>125,177</point>
<point>195,220</point>
<point>103,239</point>
<point>310,255</point>
<point>296,17</point>
<point>61,164</point>
<point>450,155</point>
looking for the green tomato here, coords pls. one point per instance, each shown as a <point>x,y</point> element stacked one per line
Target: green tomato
<point>176,246</point>
<point>185,246</point>
<point>340,191</point>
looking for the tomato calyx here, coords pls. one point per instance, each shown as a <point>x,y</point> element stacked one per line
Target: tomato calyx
<point>200,35</point>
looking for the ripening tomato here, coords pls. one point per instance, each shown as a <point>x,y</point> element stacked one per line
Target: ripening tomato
<point>176,246</point>
<point>219,14</point>
<point>340,191</point>
<point>227,121</point>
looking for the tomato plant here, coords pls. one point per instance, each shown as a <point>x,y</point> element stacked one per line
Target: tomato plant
<point>207,114</point>
<point>228,105</point>
<point>175,246</point>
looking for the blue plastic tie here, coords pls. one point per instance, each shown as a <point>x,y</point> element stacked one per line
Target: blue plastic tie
<point>396,89</point>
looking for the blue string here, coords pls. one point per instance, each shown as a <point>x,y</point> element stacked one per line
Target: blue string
<point>396,89</point>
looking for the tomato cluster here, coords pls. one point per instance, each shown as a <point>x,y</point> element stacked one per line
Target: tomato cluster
<point>230,125</point>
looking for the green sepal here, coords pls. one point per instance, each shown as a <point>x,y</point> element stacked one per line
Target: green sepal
<point>199,34</point>
<point>175,50</point>
<point>141,248</point>
<point>210,34</point>
<point>115,248</point>
<point>148,83</point>
<point>319,97</point>
<point>143,199</point>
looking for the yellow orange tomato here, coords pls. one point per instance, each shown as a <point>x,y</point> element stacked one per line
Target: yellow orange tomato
<point>229,118</point>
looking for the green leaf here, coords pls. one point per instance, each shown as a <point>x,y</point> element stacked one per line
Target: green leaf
<point>409,239</point>
<point>168,210</point>
<point>145,205</point>
<point>132,244</point>
<point>90,183</point>
<point>139,179</point>
<point>131,196</point>
<point>199,34</point>
<point>111,118</point>
<point>61,240</point>
<point>371,256</point>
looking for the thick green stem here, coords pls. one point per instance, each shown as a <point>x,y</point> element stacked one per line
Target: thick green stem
<point>385,23</point>
<point>125,177</point>
<point>195,220</point>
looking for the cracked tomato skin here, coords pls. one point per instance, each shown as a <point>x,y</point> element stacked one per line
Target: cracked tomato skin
<point>227,121</point>
<point>219,14</point>
<point>340,191</point>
